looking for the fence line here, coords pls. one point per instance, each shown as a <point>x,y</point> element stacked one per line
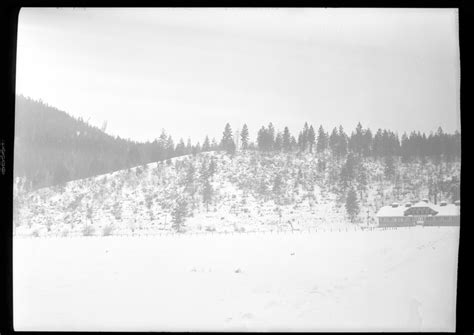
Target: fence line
<point>310,230</point>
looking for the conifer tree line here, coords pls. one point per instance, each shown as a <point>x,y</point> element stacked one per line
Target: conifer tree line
<point>52,147</point>
<point>361,141</point>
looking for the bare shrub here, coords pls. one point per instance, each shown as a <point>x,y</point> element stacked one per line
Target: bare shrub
<point>107,230</point>
<point>88,230</point>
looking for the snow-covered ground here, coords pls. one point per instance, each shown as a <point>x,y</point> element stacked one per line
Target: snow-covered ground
<point>382,280</point>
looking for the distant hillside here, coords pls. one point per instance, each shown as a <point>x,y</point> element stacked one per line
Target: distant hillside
<point>247,191</point>
<point>53,147</point>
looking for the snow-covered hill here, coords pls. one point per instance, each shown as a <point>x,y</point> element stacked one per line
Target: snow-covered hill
<point>250,191</point>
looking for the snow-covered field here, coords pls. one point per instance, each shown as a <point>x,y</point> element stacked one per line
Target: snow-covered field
<point>389,280</point>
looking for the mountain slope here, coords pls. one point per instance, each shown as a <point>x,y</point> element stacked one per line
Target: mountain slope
<point>52,147</point>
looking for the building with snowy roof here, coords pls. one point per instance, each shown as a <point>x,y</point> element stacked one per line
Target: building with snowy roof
<point>420,213</point>
<point>448,215</point>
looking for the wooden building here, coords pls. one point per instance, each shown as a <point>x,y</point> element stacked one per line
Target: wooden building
<point>448,215</point>
<point>420,213</point>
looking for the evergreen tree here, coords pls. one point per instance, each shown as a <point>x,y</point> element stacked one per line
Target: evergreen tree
<point>244,136</point>
<point>293,143</point>
<point>160,153</point>
<point>348,171</point>
<point>311,138</point>
<point>342,143</point>
<point>207,194</point>
<point>305,135</point>
<point>204,171</point>
<point>389,168</point>
<point>278,142</point>
<point>196,149</point>
<point>189,182</point>
<point>206,146</point>
<point>214,145</point>
<point>394,144</point>
<point>322,143</point>
<point>189,147</point>
<point>357,139</point>
<point>301,142</point>
<point>378,146</point>
<point>149,204</point>
<point>271,136</point>
<point>212,167</point>
<point>227,142</point>
<point>265,140</point>
<point>117,210</point>
<point>367,143</point>
<point>89,213</point>
<point>277,185</point>
<point>226,136</point>
<point>169,148</point>
<point>334,141</point>
<point>162,139</point>
<point>362,181</point>
<point>261,139</point>
<point>286,140</point>
<point>352,204</point>
<point>180,148</point>
<point>404,148</point>
<point>303,138</point>
<point>178,215</point>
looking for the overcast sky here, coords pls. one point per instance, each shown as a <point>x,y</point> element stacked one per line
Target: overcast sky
<point>190,71</point>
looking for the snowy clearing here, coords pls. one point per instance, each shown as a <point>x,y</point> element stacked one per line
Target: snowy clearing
<point>393,280</point>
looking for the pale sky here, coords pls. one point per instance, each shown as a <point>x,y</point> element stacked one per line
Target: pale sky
<point>190,71</point>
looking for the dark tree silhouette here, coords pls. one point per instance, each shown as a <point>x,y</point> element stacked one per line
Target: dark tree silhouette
<point>352,204</point>
<point>322,143</point>
<point>227,142</point>
<point>207,194</point>
<point>278,146</point>
<point>206,146</point>
<point>244,137</point>
<point>311,138</point>
<point>389,166</point>
<point>348,170</point>
<point>286,140</point>
<point>178,216</point>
